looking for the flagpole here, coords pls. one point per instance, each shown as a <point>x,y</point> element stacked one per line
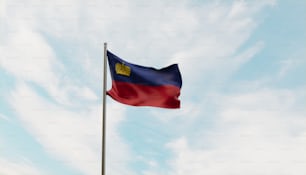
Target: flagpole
<point>104,111</point>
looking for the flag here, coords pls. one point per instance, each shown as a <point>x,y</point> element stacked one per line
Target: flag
<point>144,86</point>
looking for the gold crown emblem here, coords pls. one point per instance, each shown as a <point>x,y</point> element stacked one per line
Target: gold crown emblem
<point>122,69</point>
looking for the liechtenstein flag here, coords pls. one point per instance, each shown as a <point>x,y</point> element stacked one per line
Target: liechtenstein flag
<point>144,86</point>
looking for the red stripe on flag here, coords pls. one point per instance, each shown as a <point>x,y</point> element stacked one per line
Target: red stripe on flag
<point>165,96</point>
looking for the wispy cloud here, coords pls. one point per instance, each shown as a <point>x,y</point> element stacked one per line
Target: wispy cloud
<point>28,56</point>
<point>19,168</point>
<point>64,134</point>
<point>290,64</point>
<point>255,132</point>
<point>71,136</point>
<point>2,8</point>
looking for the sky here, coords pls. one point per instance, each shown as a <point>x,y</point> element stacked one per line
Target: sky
<point>243,97</point>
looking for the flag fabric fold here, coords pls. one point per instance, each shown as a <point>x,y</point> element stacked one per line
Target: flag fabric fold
<point>144,86</point>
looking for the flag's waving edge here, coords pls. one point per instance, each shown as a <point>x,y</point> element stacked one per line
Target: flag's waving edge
<point>144,86</point>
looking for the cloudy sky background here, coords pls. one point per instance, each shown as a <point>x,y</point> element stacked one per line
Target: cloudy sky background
<point>243,97</point>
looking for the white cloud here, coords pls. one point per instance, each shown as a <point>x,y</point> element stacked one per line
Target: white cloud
<point>2,8</point>
<point>256,133</point>
<point>28,56</point>
<point>18,168</point>
<point>69,136</point>
<point>291,64</point>
<point>73,137</point>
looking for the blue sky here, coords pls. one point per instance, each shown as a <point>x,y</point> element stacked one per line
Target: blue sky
<point>242,101</point>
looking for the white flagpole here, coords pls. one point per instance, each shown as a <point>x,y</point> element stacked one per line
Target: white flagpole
<point>104,110</point>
